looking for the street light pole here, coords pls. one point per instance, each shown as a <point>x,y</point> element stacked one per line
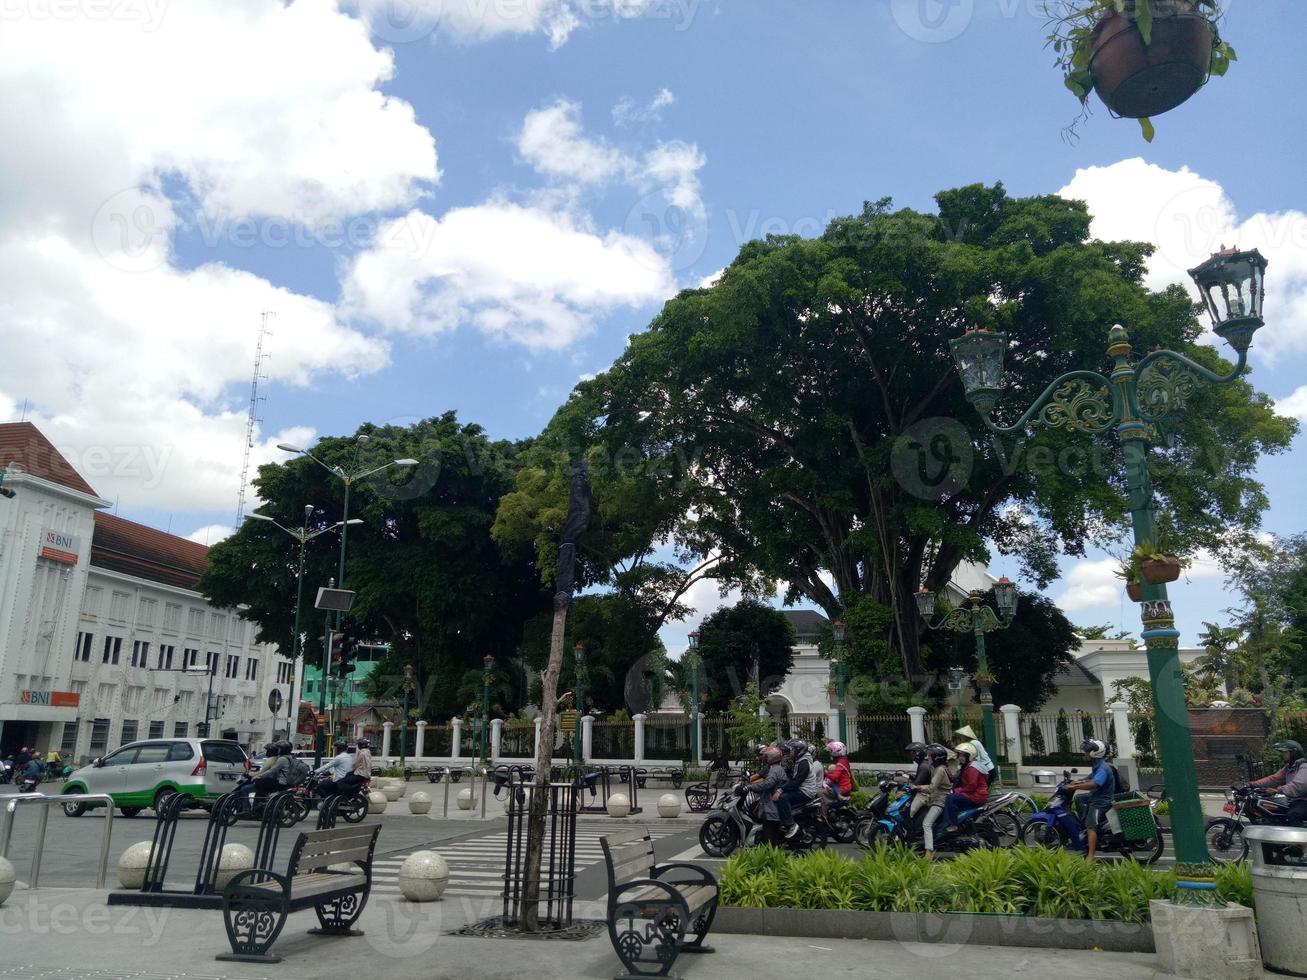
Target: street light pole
<point>488,664</point>
<point>841,679</point>
<point>579,653</point>
<point>958,677</point>
<point>695,663</point>
<point>403,721</point>
<point>1133,399</point>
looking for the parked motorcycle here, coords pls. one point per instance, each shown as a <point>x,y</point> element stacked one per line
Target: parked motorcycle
<point>1057,825</point>
<point>739,824</point>
<point>1245,805</point>
<point>886,821</point>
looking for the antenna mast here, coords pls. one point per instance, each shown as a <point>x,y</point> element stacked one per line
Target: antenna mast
<point>252,420</point>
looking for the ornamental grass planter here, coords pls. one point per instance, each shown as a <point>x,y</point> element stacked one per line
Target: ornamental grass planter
<point>1159,571</point>
<point>1135,591</point>
<point>1137,80</point>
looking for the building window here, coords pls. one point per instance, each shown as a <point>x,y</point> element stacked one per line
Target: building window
<point>251,669</point>
<point>233,666</point>
<point>284,672</point>
<point>217,626</point>
<point>140,653</point>
<point>190,657</point>
<point>156,729</point>
<point>165,656</point>
<point>113,648</point>
<point>195,622</point>
<point>146,611</point>
<point>91,602</point>
<point>130,727</point>
<point>83,649</point>
<point>211,661</point>
<point>99,735</point>
<point>118,606</point>
<point>172,617</point>
<point>69,744</point>
<point>179,729</point>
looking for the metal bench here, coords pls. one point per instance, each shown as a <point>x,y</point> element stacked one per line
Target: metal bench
<point>652,906</point>
<point>255,903</point>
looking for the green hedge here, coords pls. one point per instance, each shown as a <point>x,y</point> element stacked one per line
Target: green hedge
<point>1013,881</point>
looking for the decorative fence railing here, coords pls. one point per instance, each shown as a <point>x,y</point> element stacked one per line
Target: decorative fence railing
<point>438,741</point>
<point>1056,738</point>
<point>880,738</point>
<point>667,738</point>
<point>613,740</point>
<point>517,739</point>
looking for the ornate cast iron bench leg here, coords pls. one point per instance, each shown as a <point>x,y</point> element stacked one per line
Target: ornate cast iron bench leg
<point>338,916</point>
<point>254,917</point>
<point>655,925</point>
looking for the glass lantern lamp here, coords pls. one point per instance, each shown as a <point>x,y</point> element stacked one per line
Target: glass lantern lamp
<point>979,357</point>
<point>1232,284</point>
<point>1005,597</point>
<point>925,603</point>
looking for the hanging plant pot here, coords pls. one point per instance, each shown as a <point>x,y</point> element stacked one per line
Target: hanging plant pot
<point>1138,79</point>
<point>1159,571</point>
<point>1135,591</point>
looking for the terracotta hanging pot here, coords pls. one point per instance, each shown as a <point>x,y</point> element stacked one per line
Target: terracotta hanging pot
<point>1159,571</point>
<point>1135,79</point>
<point>1135,591</point>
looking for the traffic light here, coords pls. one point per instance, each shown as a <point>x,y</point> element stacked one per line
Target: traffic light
<point>344,648</point>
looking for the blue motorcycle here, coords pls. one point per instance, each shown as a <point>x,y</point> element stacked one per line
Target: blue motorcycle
<point>887,821</point>
<point>1058,825</point>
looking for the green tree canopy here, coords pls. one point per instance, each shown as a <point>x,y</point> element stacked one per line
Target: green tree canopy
<point>735,640</point>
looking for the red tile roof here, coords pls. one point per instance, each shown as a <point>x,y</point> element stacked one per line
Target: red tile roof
<point>124,546</point>
<point>23,443</point>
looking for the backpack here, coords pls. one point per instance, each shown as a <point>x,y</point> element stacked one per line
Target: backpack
<point>297,772</point>
<point>1122,784</point>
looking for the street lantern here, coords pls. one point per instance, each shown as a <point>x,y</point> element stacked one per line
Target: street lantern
<point>694,639</point>
<point>979,357</point>
<point>1232,284</point>
<point>837,628</point>
<point>1005,596</point>
<point>925,603</point>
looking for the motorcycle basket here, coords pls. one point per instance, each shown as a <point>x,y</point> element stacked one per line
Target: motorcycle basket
<point>1132,818</point>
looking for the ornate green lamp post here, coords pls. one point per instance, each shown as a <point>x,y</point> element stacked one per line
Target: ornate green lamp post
<point>403,721</point>
<point>1132,399</point>
<point>978,619</point>
<point>841,678</point>
<point>579,652</point>
<point>488,664</point>
<point>695,663</point>
<point>957,678</point>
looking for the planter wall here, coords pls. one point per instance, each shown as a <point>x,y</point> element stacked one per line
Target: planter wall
<point>953,928</point>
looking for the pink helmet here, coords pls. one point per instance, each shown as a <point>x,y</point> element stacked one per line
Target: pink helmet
<point>837,749</point>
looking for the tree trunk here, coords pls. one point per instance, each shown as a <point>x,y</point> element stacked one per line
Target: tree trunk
<point>535,831</point>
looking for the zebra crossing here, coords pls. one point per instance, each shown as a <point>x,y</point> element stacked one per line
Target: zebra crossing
<point>476,865</point>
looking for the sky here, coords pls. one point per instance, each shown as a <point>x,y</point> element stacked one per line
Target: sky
<point>471,204</point>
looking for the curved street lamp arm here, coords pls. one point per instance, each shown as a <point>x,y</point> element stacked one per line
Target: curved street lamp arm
<point>958,620</point>
<point>377,469</point>
<point>1077,394</point>
<point>1158,356</point>
<point>335,471</point>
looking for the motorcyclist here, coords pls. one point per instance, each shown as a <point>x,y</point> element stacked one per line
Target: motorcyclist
<point>768,784</point>
<point>272,774</point>
<point>362,767</point>
<point>802,787</point>
<point>336,769</point>
<point>839,775</point>
<point>979,758</point>
<point>1101,787</point>
<point>970,788</point>
<point>933,795</point>
<point>919,753</point>
<point>1291,780</point>
<point>32,770</point>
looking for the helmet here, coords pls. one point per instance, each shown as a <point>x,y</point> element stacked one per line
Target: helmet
<point>1093,748</point>
<point>771,754</point>
<point>837,749</point>
<point>271,749</point>
<point>968,750</point>
<point>350,747</point>
<point>1293,748</point>
<point>365,743</point>
<point>286,747</point>
<point>938,754</point>
<point>795,747</point>
<point>917,750</point>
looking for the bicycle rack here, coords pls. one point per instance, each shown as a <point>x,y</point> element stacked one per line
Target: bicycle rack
<point>34,875</point>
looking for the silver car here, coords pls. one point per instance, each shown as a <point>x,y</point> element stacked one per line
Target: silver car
<point>144,774</point>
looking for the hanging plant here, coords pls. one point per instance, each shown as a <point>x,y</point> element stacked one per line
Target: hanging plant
<point>1142,57</point>
<point>1129,571</point>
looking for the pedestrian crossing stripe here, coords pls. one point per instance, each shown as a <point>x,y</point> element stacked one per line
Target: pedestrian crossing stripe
<point>476,865</point>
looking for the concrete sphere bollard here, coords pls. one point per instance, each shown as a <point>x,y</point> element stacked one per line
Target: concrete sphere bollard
<point>423,876</point>
<point>7,878</point>
<point>619,805</point>
<point>419,802</point>
<point>392,789</point>
<point>377,802</point>
<point>234,859</point>
<point>465,800</point>
<point>669,805</point>
<point>132,864</point>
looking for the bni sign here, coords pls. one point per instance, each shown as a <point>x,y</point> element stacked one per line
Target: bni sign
<point>59,546</point>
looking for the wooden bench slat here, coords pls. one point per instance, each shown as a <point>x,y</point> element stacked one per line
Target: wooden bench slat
<point>311,848</point>
<point>696,896</point>
<point>628,837</point>
<point>332,857</point>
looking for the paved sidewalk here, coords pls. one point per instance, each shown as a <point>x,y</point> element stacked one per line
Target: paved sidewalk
<point>66,933</point>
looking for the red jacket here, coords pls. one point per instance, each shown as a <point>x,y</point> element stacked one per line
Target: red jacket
<point>842,775</point>
<point>972,784</point>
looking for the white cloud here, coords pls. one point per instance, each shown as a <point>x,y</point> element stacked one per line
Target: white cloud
<point>222,110</point>
<point>1091,585</point>
<point>1294,406</point>
<point>527,275</point>
<point>628,112</point>
<point>707,282</point>
<point>1188,217</point>
<point>210,534</point>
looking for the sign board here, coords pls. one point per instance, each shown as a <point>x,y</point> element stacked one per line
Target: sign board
<point>59,546</point>
<point>567,722</point>
<point>334,600</point>
<point>55,699</point>
<point>275,700</point>
<point>307,723</point>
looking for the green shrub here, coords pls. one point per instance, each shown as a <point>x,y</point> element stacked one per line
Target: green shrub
<point>1234,883</point>
<point>1163,808</point>
<point>817,880</point>
<point>984,881</point>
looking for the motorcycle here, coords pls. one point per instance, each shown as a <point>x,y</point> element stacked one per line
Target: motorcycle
<point>1057,825</point>
<point>27,784</point>
<point>249,807</point>
<point>841,819</point>
<point>6,771</point>
<point>1245,805</point>
<point>886,821</point>
<point>739,824</point>
<point>309,795</point>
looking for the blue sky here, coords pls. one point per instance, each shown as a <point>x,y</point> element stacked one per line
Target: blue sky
<point>551,171</point>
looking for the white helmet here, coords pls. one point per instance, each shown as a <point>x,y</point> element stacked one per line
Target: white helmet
<point>1093,748</point>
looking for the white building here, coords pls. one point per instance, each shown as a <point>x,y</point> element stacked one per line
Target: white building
<point>103,638</point>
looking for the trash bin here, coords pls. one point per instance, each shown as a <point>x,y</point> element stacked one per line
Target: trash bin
<point>1280,892</point>
<point>1044,777</point>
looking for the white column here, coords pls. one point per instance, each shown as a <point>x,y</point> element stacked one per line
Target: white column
<point>1012,732</point>
<point>587,737</point>
<point>496,737</point>
<point>535,753</point>
<point>639,737</point>
<point>386,729</point>
<point>698,720</point>
<point>917,718</point>
<point>832,724</point>
<point>1125,739</point>
<point>419,742</point>
<point>456,738</point>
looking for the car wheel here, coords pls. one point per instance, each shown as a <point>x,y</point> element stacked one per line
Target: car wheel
<point>161,798</point>
<point>130,811</point>
<point>75,809</point>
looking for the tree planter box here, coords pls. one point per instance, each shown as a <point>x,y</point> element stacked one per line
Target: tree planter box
<point>951,928</point>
